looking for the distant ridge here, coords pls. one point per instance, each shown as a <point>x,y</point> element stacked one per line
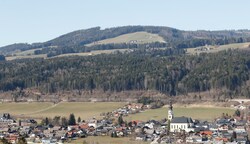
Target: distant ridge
<point>175,38</point>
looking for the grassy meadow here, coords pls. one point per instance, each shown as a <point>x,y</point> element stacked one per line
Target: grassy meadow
<point>87,110</point>
<point>140,37</point>
<point>203,113</point>
<point>23,108</point>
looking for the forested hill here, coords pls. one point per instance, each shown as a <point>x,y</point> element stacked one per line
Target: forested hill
<point>165,71</point>
<point>76,41</point>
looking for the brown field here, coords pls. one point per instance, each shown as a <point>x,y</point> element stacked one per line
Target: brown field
<point>203,113</point>
<point>107,140</point>
<point>87,110</point>
<point>92,53</point>
<point>26,56</point>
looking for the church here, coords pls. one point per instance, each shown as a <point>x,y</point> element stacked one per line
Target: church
<point>178,124</point>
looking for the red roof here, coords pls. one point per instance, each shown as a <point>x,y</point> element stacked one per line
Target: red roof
<point>224,139</point>
<point>136,121</point>
<point>84,126</point>
<point>119,129</point>
<point>206,132</point>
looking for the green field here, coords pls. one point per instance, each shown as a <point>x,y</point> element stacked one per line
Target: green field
<point>203,113</point>
<point>107,140</point>
<point>137,37</point>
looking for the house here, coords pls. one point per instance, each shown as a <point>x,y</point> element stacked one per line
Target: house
<point>194,139</point>
<point>92,123</point>
<point>27,122</point>
<point>181,123</point>
<point>5,120</point>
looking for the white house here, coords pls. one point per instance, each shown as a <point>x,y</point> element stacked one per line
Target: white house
<point>181,123</point>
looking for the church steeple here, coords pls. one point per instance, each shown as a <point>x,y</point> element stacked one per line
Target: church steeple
<point>170,111</point>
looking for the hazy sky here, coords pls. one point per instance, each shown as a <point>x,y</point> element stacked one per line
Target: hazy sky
<point>41,20</point>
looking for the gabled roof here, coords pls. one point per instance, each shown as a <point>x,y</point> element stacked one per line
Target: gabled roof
<point>181,120</point>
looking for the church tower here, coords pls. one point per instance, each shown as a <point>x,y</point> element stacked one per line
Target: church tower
<point>170,111</point>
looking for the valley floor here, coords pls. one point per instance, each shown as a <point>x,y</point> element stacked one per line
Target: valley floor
<point>88,110</point>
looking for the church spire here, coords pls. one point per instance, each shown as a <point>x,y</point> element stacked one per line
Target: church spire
<point>170,111</point>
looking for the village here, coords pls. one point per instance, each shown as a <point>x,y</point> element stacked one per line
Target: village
<point>226,129</point>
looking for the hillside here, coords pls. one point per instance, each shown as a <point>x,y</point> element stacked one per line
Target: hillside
<point>203,49</point>
<point>212,49</point>
<point>137,38</point>
<point>10,49</point>
<point>167,72</point>
<point>118,38</point>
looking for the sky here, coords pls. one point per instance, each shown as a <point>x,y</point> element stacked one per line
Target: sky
<point>30,21</point>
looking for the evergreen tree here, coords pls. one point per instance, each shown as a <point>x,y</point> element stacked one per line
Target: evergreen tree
<point>72,120</point>
<point>79,119</point>
<point>120,120</point>
<point>46,121</point>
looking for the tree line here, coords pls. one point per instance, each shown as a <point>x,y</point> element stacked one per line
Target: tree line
<point>51,52</point>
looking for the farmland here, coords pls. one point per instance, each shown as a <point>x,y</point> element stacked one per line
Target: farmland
<point>107,140</point>
<point>92,53</point>
<point>214,49</point>
<point>87,110</point>
<point>40,110</point>
<point>137,37</point>
<point>203,113</point>
<point>9,58</point>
